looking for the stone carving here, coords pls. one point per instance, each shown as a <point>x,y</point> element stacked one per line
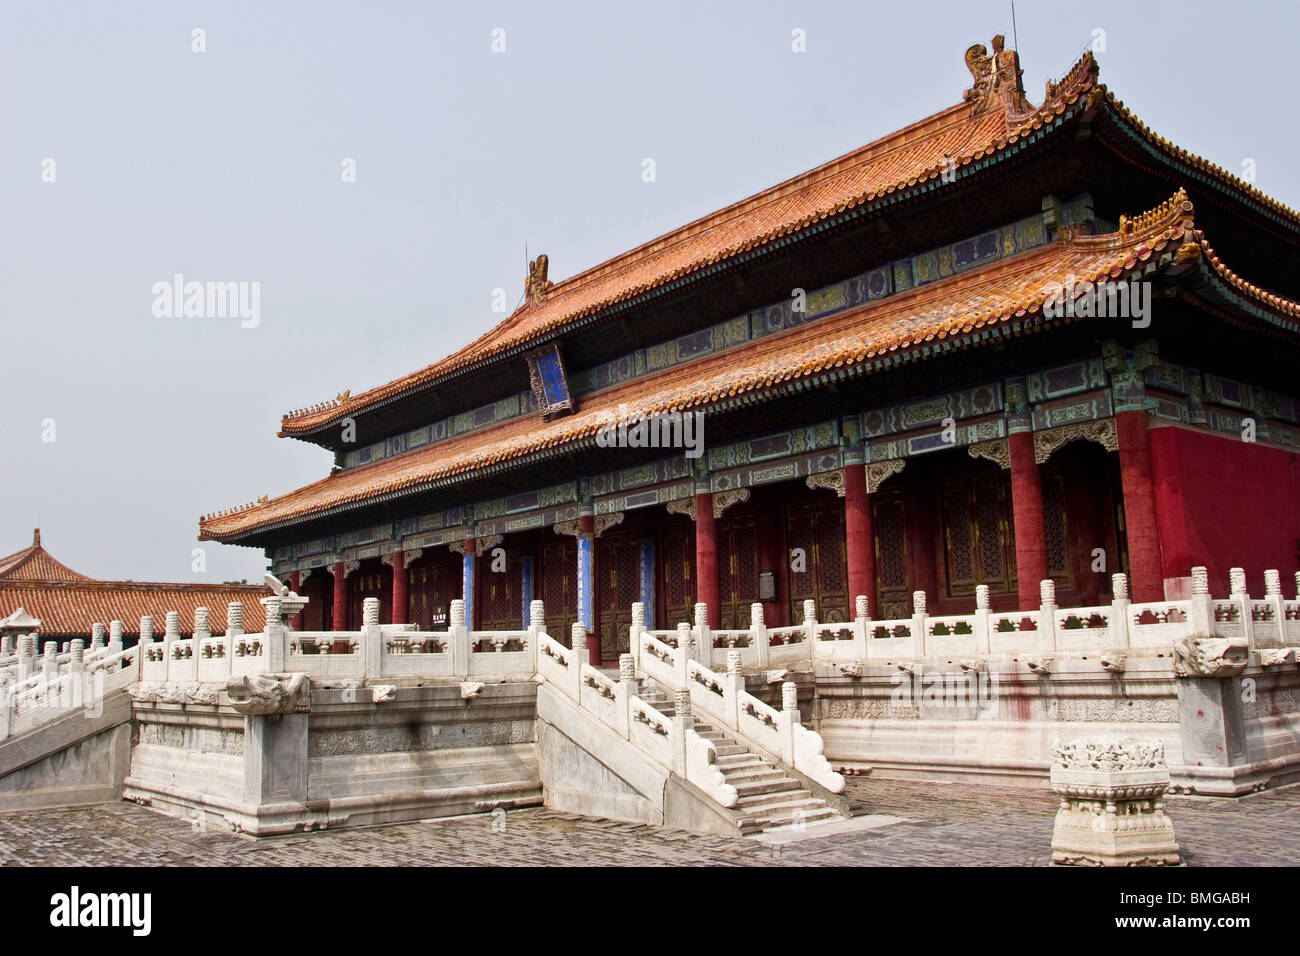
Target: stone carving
<point>1112,804</point>
<point>776,677</point>
<point>830,480</point>
<point>290,602</point>
<point>862,708</point>
<point>606,521</point>
<point>470,688</point>
<point>1115,663</point>
<point>177,692</point>
<point>998,451</point>
<point>1040,665</point>
<point>1272,657</point>
<point>852,669</point>
<point>973,666</point>
<point>1102,432</point>
<point>1210,657</point>
<point>878,471</point>
<point>1143,710</point>
<point>262,695</point>
<point>383,693</point>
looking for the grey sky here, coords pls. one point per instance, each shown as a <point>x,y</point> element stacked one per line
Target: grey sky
<point>226,165</point>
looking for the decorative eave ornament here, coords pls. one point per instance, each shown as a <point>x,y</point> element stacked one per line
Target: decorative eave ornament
<point>537,285</point>
<point>997,78</point>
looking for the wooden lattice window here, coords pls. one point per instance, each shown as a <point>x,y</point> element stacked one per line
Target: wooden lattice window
<point>979,537</point>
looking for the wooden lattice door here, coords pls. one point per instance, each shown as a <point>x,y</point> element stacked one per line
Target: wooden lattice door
<point>369,582</point>
<point>501,594</point>
<point>559,588</point>
<point>431,587</point>
<point>816,530</point>
<point>617,587</point>
<point>677,575</point>
<point>737,569</point>
<point>979,535</point>
<point>890,527</point>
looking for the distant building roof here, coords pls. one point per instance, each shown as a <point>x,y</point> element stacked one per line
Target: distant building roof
<point>68,603</point>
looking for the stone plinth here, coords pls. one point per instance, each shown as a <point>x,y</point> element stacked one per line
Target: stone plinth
<point>1112,805</point>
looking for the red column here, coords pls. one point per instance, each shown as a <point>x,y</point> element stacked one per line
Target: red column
<point>399,612</point>
<point>295,582</point>
<point>860,538</point>
<point>1145,580</point>
<point>340,597</point>
<point>1027,506</point>
<point>706,557</point>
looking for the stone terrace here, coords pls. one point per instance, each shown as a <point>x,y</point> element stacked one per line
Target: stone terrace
<point>969,825</point>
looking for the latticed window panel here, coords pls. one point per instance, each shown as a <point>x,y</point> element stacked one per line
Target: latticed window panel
<point>738,568</point>
<point>818,528</point>
<point>1055,528</point>
<point>978,534</point>
<point>501,593</point>
<point>677,567</point>
<point>559,588</point>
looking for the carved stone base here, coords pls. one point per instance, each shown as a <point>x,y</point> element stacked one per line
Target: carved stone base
<point>1112,805</point>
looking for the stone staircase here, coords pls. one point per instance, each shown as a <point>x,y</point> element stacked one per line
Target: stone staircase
<point>770,799</point>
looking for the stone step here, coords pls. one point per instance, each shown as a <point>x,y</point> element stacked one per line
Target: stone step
<point>786,821</point>
<point>746,759</point>
<point>759,773</point>
<point>728,750</point>
<point>779,783</point>
<point>774,798</point>
<point>808,806</point>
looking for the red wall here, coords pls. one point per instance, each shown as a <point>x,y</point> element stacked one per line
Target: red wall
<point>1224,503</point>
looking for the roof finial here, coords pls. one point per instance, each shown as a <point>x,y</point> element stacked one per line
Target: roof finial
<point>36,538</point>
<point>537,285</point>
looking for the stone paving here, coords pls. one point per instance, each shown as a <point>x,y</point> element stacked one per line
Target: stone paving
<point>940,824</point>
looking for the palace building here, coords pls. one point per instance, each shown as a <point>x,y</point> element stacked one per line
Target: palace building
<point>67,605</point>
<point>916,373</point>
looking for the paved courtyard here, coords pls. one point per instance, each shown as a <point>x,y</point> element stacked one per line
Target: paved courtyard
<point>911,823</point>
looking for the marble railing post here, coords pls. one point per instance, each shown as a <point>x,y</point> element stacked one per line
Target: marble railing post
<point>1273,594</point>
<point>861,622</point>
<point>918,623</point>
<point>1237,580</point>
<point>983,643</point>
<point>1047,614</point>
<point>733,685</point>
<point>1201,618</point>
<point>73,689</point>
<point>1119,608</point>
<point>146,629</point>
<point>115,641</point>
<point>703,634</point>
<point>275,638</point>
<point>536,624</point>
<point>788,717</point>
<point>372,641</point>
<point>235,619</point>
<point>623,692</point>
<point>50,663</point>
<point>758,637</point>
<point>683,721</point>
<point>576,660</point>
<point>458,638</point>
<point>681,668</point>
<point>634,633</point>
<point>810,624</point>
<point>7,648</point>
<point>26,654</point>
<point>172,630</point>
<point>96,636</point>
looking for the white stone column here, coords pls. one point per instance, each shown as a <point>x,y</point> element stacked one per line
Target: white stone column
<point>703,636</point>
<point>372,643</point>
<point>682,656</point>
<point>623,692</point>
<point>983,643</point>
<point>1047,614</point>
<point>576,659</point>
<point>1276,602</point>
<point>96,636</point>
<point>788,717</point>
<point>274,646</point>
<point>733,685</point>
<point>114,636</point>
<point>1237,580</point>
<point>758,636</point>
<point>635,632</point>
<point>918,623</point>
<point>1119,609</point>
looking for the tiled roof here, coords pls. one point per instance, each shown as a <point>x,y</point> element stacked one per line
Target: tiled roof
<point>1006,297</point>
<point>900,161</point>
<point>36,563</point>
<point>67,603</point>
<point>68,609</point>
<point>917,154</point>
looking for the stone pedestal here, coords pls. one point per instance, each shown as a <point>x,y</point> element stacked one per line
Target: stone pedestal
<point>1112,805</point>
